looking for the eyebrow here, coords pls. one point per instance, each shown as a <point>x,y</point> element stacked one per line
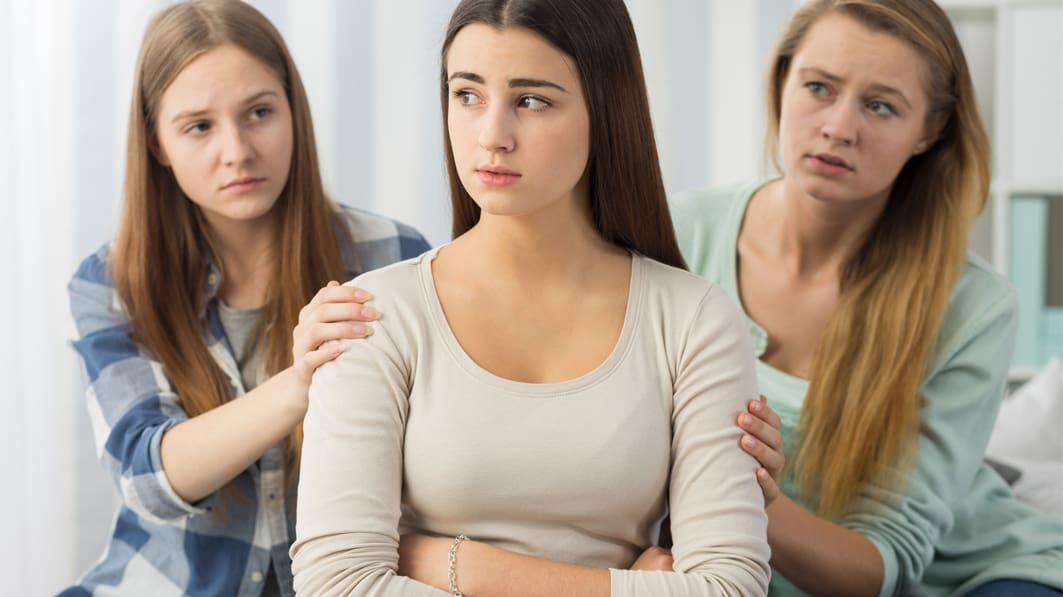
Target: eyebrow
<point>198,113</point>
<point>878,87</point>
<point>513,83</point>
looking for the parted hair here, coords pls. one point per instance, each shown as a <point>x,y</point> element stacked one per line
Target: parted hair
<point>627,198</point>
<point>860,420</point>
<point>160,256</point>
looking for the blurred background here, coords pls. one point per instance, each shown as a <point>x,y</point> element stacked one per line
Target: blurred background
<point>370,68</point>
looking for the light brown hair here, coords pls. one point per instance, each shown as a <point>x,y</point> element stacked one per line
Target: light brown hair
<point>860,418</point>
<point>160,258</point>
<point>627,199</point>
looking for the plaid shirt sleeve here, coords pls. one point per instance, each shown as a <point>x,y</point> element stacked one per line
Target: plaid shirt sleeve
<point>130,401</point>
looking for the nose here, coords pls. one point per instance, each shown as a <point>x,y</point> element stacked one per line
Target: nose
<point>236,148</point>
<point>841,124</point>
<point>497,129</point>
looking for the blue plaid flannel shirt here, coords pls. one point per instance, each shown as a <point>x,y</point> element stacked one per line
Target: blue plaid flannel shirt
<point>160,544</point>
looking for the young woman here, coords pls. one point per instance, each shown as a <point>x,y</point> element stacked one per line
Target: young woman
<point>883,347</point>
<point>185,323</point>
<point>529,458</point>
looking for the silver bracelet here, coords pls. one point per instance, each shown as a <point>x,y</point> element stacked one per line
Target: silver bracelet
<point>452,560</point>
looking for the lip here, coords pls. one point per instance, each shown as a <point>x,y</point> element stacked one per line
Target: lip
<point>828,163</point>
<point>496,176</point>
<point>246,183</point>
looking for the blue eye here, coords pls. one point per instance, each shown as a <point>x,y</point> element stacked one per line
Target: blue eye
<point>261,112</point>
<point>533,103</point>
<point>197,128</point>
<point>467,98</point>
<point>881,108</point>
<point>816,88</point>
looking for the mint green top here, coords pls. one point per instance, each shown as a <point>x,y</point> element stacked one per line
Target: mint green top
<point>955,525</point>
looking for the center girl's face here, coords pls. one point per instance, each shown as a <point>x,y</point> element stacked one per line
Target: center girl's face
<point>517,121</point>
<point>224,127</point>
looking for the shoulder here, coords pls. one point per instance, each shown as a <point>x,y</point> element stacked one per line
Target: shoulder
<point>400,275</point>
<point>712,198</point>
<point>95,268</point>
<point>708,206</point>
<point>94,303</point>
<point>685,297</point>
<point>373,241</point>
<point>91,288</point>
<point>397,290</point>
<point>706,223</point>
<point>981,294</point>
<point>983,306</point>
<point>981,286</point>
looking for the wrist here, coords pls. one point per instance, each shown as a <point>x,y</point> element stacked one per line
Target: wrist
<point>452,566</point>
<point>471,562</point>
<point>294,392</point>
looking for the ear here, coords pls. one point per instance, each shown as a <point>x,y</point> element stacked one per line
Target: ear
<point>931,133</point>
<point>156,150</point>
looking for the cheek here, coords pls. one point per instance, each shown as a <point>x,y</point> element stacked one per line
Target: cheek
<point>462,136</point>
<point>569,146</point>
<point>284,146</point>
<point>188,165</point>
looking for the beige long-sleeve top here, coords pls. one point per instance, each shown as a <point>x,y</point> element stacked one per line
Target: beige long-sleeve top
<point>406,432</point>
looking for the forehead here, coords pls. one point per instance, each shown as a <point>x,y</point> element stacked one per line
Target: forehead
<point>510,52</point>
<point>217,77</point>
<point>844,47</point>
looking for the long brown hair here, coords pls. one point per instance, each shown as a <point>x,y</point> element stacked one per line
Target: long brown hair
<point>861,416</point>
<point>159,259</point>
<point>627,198</point>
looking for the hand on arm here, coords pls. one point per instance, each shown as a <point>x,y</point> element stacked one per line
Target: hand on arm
<point>204,453</point>
<point>806,549</point>
<point>763,441</point>
<point>335,313</point>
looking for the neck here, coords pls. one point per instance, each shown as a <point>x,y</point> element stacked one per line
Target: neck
<point>558,246</point>
<point>246,253</point>
<point>816,237</point>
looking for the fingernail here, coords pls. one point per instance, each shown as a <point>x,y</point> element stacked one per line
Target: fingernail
<point>755,406</point>
<point>749,442</point>
<point>747,420</point>
<point>361,295</point>
<point>370,313</point>
<point>333,283</point>
<point>359,329</point>
<point>762,473</point>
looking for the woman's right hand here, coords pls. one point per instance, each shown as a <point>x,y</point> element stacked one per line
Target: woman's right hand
<point>335,313</point>
<point>763,440</point>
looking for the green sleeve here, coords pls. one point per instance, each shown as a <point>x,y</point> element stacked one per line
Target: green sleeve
<point>960,399</point>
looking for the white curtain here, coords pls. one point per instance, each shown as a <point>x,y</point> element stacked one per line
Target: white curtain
<point>371,68</point>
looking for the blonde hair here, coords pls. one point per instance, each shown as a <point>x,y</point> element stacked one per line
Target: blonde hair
<point>860,418</point>
<point>159,260</point>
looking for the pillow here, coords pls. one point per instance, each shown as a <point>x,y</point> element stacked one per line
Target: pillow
<point>1028,436</point>
<point>1030,423</point>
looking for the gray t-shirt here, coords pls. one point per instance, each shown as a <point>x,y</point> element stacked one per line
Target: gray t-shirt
<point>239,325</point>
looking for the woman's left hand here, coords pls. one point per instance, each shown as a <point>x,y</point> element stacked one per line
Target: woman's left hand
<point>425,559</point>
<point>763,440</point>
<point>654,558</point>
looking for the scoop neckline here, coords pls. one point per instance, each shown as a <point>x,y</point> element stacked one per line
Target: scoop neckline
<point>582,382</point>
